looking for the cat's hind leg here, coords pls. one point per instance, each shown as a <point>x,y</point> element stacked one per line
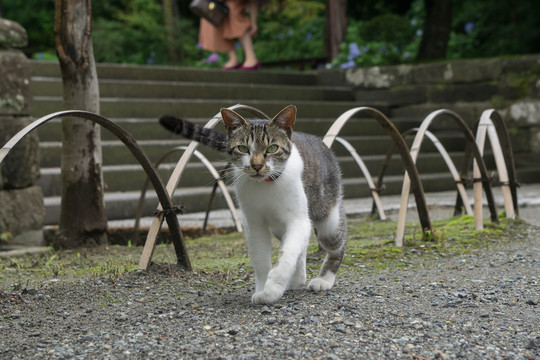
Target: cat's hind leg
<point>332,236</point>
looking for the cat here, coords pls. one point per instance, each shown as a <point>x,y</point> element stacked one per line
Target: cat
<point>286,184</point>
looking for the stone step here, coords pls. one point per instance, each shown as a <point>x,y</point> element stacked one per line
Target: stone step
<point>469,111</point>
<point>135,96</point>
<point>115,153</point>
<point>123,205</point>
<point>193,108</point>
<point>119,178</point>
<point>120,88</point>
<point>189,74</point>
<point>148,128</point>
<point>405,95</point>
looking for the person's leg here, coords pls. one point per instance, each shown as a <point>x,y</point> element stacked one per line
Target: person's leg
<point>233,60</point>
<point>249,53</point>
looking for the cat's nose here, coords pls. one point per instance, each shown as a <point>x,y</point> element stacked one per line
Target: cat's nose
<point>257,167</point>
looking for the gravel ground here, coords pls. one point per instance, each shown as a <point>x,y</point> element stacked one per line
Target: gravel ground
<point>477,305</point>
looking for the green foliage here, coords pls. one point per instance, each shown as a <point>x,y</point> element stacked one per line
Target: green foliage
<point>292,11</point>
<point>37,17</point>
<point>5,237</point>
<point>297,40</point>
<point>379,33</point>
<point>479,29</point>
<point>385,38</point>
<point>51,259</point>
<point>132,35</point>
<point>486,28</point>
<point>388,28</point>
<point>367,44</point>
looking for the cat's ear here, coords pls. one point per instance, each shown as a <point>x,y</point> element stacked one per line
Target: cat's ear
<point>232,119</point>
<point>285,119</point>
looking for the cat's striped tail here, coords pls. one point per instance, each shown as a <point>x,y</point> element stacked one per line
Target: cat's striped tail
<point>206,136</point>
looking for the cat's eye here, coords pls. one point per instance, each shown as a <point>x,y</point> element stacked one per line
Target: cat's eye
<point>272,149</point>
<point>243,149</point>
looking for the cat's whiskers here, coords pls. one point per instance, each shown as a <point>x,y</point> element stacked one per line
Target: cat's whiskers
<point>238,177</point>
<point>213,181</point>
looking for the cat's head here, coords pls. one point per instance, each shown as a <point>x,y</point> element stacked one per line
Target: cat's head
<point>260,148</point>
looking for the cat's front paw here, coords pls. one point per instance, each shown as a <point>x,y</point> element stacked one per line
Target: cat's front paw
<point>320,284</point>
<point>270,295</point>
<point>258,298</point>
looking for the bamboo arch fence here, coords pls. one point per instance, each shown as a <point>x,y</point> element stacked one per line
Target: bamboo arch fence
<point>490,126</point>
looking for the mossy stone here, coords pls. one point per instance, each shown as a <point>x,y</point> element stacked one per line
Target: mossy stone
<point>12,35</point>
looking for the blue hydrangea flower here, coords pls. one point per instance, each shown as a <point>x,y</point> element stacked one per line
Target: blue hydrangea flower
<point>348,65</point>
<point>213,58</point>
<point>354,51</point>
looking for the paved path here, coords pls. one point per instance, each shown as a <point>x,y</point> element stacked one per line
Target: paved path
<point>480,304</point>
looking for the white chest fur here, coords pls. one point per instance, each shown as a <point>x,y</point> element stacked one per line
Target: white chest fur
<point>279,202</point>
<point>279,207</point>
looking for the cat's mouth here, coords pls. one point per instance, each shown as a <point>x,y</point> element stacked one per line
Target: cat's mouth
<point>259,178</point>
<point>261,174</point>
<point>267,177</point>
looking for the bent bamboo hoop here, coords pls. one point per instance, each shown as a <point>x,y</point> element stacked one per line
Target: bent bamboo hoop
<point>508,154</point>
<point>399,142</point>
<point>367,175</point>
<point>128,140</point>
<point>406,182</point>
<point>213,172</point>
<point>415,149</point>
<point>222,173</point>
<point>174,179</point>
<point>486,127</point>
<point>453,170</point>
<point>462,193</point>
<point>490,123</point>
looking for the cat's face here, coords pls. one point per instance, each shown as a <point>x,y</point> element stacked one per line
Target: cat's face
<point>260,148</point>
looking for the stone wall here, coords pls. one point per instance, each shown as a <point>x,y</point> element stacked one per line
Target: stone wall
<point>510,85</point>
<point>21,203</point>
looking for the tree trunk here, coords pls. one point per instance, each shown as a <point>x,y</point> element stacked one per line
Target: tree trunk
<point>335,27</point>
<point>436,29</point>
<point>82,215</point>
<point>170,20</point>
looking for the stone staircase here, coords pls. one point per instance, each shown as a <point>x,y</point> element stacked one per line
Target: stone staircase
<point>135,97</point>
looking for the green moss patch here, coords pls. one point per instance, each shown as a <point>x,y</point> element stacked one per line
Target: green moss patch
<point>223,259</point>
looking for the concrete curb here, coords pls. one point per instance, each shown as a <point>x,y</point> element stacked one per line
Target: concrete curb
<point>440,205</point>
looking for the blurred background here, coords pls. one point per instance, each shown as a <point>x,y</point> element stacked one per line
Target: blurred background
<point>381,32</point>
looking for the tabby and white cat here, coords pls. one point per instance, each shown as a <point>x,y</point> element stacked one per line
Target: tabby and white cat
<point>286,183</point>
